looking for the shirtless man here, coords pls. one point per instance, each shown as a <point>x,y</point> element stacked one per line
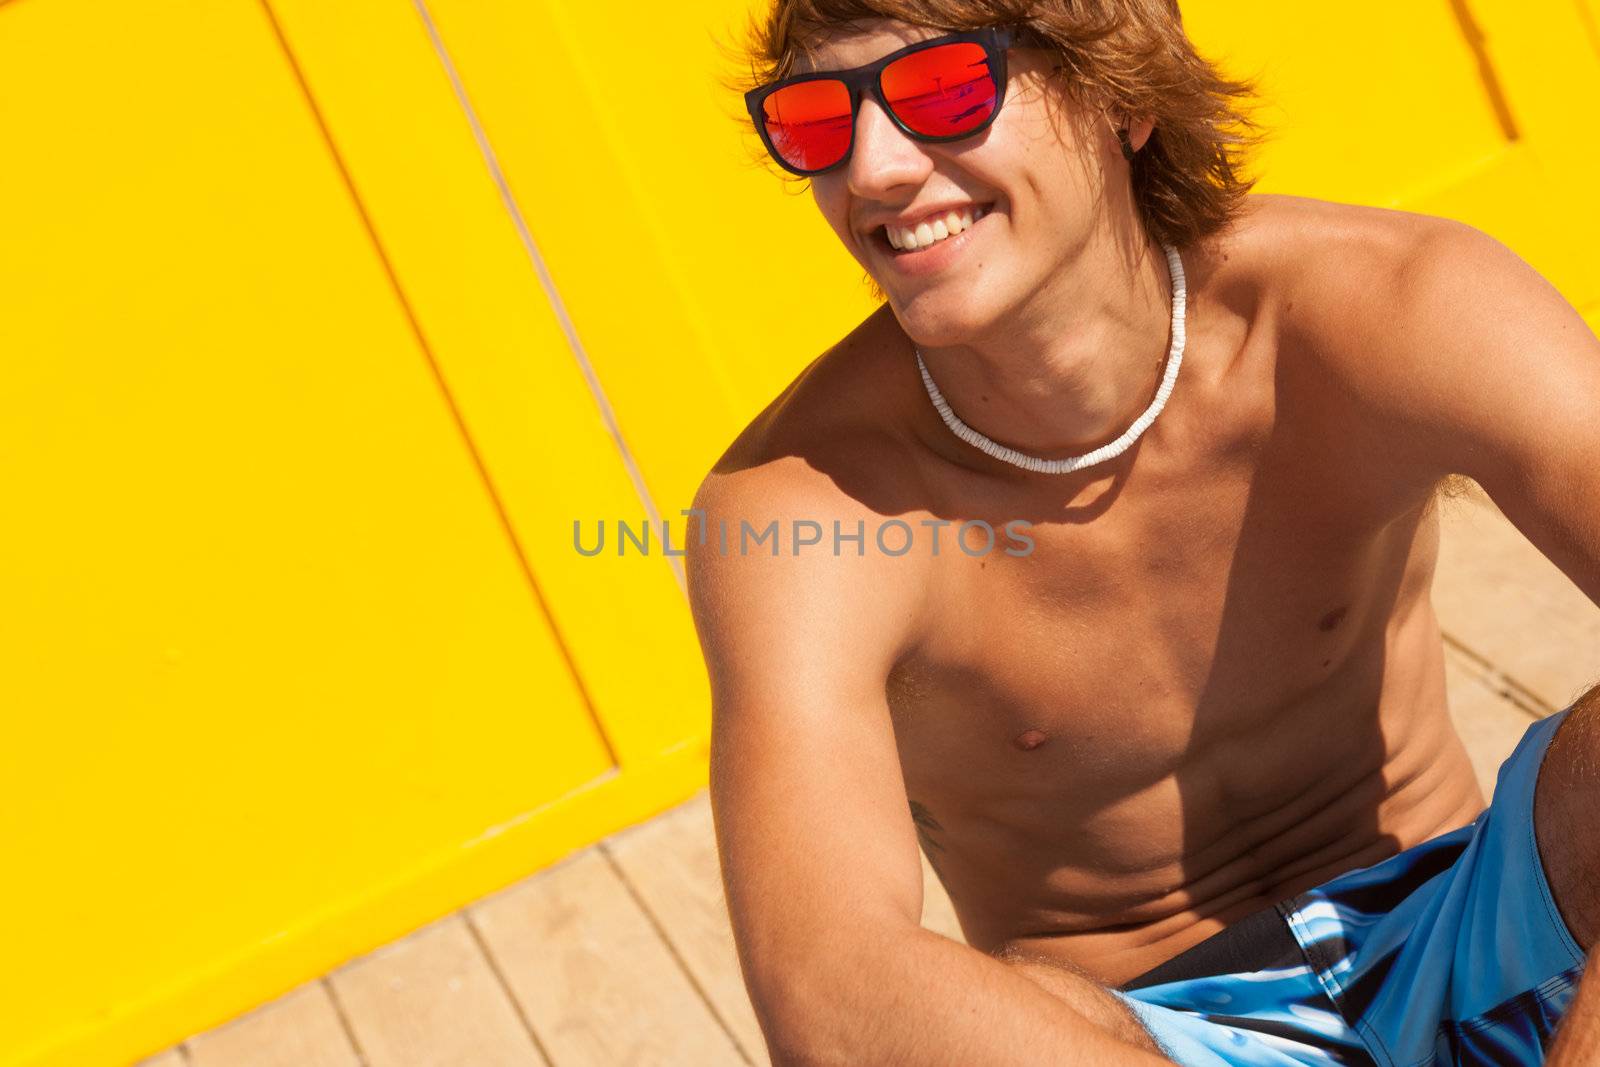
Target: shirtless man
<point>1176,742</point>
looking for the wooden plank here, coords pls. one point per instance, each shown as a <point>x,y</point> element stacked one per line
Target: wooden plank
<point>173,1057</point>
<point>1489,724</point>
<point>299,1029</point>
<point>473,278</point>
<point>593,977</point>
<point>432,1000</point>
<point>1504,603</point>
<point>671,864</point>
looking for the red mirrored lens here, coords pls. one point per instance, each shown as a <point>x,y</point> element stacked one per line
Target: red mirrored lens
<point>943,91</point>
<point>809,123</point>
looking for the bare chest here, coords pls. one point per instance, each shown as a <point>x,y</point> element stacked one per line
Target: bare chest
<point>1137,634</point>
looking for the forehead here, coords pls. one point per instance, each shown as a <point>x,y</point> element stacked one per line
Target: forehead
<point>858,43</point>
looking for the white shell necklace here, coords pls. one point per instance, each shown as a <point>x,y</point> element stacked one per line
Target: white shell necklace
<point>1180,301</point>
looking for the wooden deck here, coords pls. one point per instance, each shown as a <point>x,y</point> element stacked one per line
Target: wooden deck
<point>622,954</point>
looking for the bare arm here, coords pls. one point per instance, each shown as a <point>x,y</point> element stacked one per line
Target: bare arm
<point>1479,366</point>
<point>818,848</point>
<point>1509,393</point>
<point>1577,1041</point>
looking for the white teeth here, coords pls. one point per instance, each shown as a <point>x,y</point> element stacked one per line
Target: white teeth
<point>934,230</point>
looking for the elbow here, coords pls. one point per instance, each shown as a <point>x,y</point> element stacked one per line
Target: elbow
<point>826,1002</point>
<point>813,1047</point>
<point>800,1027</point>
<point>806,1053</point>
<point>809,1018</point>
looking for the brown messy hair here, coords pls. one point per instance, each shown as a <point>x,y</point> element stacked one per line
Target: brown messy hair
<point>1130,57</point>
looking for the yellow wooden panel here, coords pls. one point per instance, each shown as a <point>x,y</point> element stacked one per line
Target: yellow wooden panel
<point>383,88</point>
<point>1468,109</point>
<point>1368,101</point>
<point>665,237</point>
<point>1552,80</point>
<point>270,655</point>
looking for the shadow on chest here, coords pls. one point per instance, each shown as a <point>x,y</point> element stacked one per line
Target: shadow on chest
<point>1110,640</point>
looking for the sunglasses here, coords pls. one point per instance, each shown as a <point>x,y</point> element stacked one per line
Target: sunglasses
<point>941,89</point>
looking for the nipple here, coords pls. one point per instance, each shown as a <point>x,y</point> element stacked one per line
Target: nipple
<point>1030,739</point>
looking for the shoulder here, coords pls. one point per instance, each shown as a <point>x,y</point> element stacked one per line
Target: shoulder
<point>1358,283</point>
<point>1357,291</point>
<point>833,443</point>
<point>1430,338</point>
<point>783,506</point>
<point>844,397</point>
<point>1307,271</point>
<point>1320,257</point>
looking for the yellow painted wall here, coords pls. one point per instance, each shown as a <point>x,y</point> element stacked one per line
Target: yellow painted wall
<point>321,323</point>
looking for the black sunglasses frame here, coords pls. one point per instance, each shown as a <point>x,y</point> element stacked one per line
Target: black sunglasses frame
<point>868,79</point>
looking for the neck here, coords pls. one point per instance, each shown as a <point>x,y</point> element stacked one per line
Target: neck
<point>1071,368</point>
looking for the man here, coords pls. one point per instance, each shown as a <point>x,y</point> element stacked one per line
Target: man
<point>1176,740</point>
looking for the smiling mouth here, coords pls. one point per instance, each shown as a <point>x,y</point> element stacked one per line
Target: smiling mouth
<point>932,230</point>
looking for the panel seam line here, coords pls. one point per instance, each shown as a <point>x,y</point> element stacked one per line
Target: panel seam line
<point>552,294</point>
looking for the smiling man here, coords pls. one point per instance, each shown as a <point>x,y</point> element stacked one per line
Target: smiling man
<point>1183,761</point>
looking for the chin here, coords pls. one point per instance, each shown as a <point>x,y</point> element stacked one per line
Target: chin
<point>934,320</point>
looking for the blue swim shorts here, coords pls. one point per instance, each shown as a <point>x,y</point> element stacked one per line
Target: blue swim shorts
<point>1451,952</point>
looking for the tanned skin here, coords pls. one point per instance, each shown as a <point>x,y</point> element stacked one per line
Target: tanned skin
<point>1215,681</point>
<point>1577,1042</point>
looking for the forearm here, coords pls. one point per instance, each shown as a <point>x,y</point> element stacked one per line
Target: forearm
<point>1577,1041</point>
<point>1081,993</point>
<point>913,997</point>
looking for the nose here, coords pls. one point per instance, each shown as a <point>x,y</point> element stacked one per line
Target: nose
<point>882,156</point>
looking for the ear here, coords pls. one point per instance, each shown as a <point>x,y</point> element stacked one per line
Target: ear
<point>1139,131</point>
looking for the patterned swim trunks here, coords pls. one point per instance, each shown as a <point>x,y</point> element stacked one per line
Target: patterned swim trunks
<point>1451,952</point>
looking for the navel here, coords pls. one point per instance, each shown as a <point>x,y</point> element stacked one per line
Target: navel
<point>1332,619</point>
<point>1029,740</point>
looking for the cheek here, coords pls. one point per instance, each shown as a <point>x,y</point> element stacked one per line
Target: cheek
<point>835,208</point>
<point>1054,140</point>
